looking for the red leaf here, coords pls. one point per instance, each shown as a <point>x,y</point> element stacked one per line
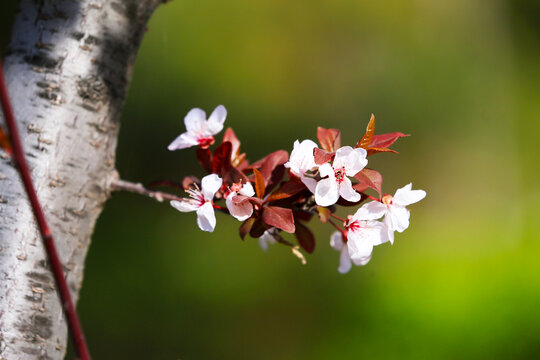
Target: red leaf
<point>286,190</point>
<point>4,142</point>
<point>222,158</point>
<point>280,218</point>
<point>245,228</point>
<point>302,215</point>
<point>368,178</point>
<point>258,229</point>
<point>236,158</point>
<point>322,156</point>
<point>305,238</point>
<point>259,184</point>
<point>205,159</point>
<point>269,163</point>
<point>370,130</point>
<point>371,151</point>
<point>330,139</point>
<point>385,140</point>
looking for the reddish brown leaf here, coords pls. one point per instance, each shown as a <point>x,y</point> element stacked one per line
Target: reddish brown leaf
<point>236,157</point>
<point>370,130</point>
<point>4,142</point>
<point>368,178</point>
<point>222,158</point>
<point>258,229</point>
<point>302,215</point>
<point>286,190</point>
<point>267,164</point>
<point>385,140</point>
<point>205,159</point>
<point>322,156</point>
<point>280,218</point>
<point>245,228</point>
<point>305,238</point>
<point>330,139</point>
<point>371,151</point>
<point>324,214</point>
<point>259,184</point>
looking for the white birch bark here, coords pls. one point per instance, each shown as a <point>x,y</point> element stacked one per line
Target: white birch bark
<point>67,69</point>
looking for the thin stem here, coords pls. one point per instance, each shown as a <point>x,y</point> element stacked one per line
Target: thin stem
<point>338,218</point>
<point>335,225</point>
<point>73,322</point>
<point>138,188</point>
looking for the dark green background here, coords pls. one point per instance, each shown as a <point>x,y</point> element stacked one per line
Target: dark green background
<point>463,281</point>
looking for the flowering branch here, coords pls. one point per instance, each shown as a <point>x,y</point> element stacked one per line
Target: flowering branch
<point>138,188</point>
<point>16,150</point>
<point>281,193</point>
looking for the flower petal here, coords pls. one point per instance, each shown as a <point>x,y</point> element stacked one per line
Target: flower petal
<point>327,170</point>
<point>216,120</point>
<point>184,206</point>
<point>327,192</point>
<point>195,121</point>
<point>360,247</point>
<point>405,196</point>
<point>302,159</point>
<point>336,240</point>
<point>400,217</point>
<point>206,219</point>
<point>347,192</point>
<point>210,184</point>
<point>183,141</point>
<point>266,239</point>
<point>389,228</point>
<point>353,160</point>
<point>344,261</point>
<point>241,211</point>
<point>310,183</point>
<point>362,261</point>
<point>247,190</point>
<point>371,211</point>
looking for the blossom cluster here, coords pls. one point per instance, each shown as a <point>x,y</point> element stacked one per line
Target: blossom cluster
<point>281,193</point>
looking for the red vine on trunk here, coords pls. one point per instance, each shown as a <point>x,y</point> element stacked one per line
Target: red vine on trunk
<point>17,153</point>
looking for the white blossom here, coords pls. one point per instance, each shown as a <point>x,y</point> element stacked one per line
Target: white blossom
<point>347,162</point>
<point>267,238</point>
<point>396,215</point>
<point>199,130</point>
<point>302,160</point>
<point>243,210</point>
<point>201,202</point>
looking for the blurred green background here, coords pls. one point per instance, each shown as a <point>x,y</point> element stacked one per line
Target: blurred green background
<point>462,76</point>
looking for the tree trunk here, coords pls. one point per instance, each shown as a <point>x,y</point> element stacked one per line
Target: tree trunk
<point>67,68</point>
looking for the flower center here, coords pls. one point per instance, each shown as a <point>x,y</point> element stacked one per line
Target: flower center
<point>340,174</point>
<point>387,199</point>
<point>196,196</point>
<point>354,226</point>
<point>205,142</point>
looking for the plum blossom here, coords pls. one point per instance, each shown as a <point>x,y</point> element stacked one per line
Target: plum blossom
<point>199,130</point>
<point>302,160</point>
<point>396,215</point>
<point>336,241</point>
<point>347,162</point>
<point>267,238</point>
<point>240,210</point>
<point>201,202</point>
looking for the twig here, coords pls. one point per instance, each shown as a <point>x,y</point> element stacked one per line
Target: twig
<point>138,188</point>
<point>74,324</point>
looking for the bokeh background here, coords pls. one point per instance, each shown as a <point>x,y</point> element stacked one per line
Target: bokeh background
<point>462,77</point>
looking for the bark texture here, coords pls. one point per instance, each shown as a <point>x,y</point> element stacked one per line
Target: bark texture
<point>67,70</point>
